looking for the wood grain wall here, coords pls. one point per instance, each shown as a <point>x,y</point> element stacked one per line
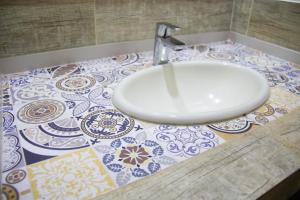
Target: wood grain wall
<point>273,21</point>
<point>34,26</point>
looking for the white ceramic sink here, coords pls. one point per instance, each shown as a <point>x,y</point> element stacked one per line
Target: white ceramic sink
<point>191,92</point>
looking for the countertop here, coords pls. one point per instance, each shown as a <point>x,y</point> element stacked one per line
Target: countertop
<point>58,116</point>
<point>245,168</point>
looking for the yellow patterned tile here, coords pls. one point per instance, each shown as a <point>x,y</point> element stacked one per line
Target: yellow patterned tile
<point>283,98</point>
<point>77,175</point>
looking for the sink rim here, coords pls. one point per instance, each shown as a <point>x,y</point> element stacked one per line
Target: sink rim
<point>120,102</point>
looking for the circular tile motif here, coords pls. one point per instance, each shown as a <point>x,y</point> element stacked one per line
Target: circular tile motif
<point>75,83</point>
<point>234,126</point>
<point>106,124</point>
<point>41,111</point>
<point>9,192</point>
<point>265,110</point>
<point>15,176</point>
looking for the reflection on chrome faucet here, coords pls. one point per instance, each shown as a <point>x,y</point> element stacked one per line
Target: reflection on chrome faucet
<point>164,42</point>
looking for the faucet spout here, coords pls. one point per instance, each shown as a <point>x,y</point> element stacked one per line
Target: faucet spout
<point>164,42</point>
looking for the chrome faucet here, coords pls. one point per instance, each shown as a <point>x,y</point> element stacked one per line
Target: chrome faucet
<point>164,42</point>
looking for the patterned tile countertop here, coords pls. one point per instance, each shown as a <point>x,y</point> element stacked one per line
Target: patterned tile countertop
<point>63,138</point>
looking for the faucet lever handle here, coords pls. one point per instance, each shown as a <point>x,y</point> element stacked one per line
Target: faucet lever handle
<point>163,29</point>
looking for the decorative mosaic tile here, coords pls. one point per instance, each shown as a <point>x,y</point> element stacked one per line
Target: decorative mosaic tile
<point>75,83</point>
<point>52,139</point>
<point>8,119</point>
<point>64,116</point>
<point>24,78</point>
<point>6,95</point>
<point>64,177</point>
<point>126,59</point>
<point>284,98</point>
<point>34,91</point>
<point>98,65</point>
<point>15,185</point>
<point>12,155</point>
<point>79,103</point>
<point>235,126</point>
<point>132,157</point>
<point>105,124</point>
<point>293,87</point>
<point>186,141</point>
<point>40,111</point>
<point>112,76</point>
<point>64,70</point>
<point>9,192</point>
<point>266,113</point>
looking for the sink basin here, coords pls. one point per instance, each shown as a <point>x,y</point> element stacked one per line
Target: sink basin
<point>191,92</point>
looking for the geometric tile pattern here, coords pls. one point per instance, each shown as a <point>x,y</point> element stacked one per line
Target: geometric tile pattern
<point>63,138</point>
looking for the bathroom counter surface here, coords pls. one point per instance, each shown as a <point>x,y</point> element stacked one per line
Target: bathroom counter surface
<point>247,168</point>
<point>63,138</point>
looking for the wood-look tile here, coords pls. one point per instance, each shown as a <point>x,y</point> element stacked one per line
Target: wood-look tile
<point>126,20</point>
<point>241,14</point>
<point>276,22</point>
<point>37,26</point>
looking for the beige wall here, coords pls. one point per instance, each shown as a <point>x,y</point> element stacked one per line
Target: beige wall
<point>34,26</point>
<point>273,21</point>
<point>123,20</point>
<point>31,26</point>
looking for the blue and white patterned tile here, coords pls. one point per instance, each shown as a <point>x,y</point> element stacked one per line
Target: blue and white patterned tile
<point>54,138</point>
<point>293,87</point>
<point>6,97</point>
<point>15,185</point>
<point>288,69</point>
<point>33,92</point>
<point>102,125</point>
<point>12,155</point>
<point>8,119</point>
<point>183,142</point>
<point>132,157</point>
<point>98,65</point>
<point>234,126</point>
<point>39,75</point>
<point>83,102</point>
<point>111,77</point>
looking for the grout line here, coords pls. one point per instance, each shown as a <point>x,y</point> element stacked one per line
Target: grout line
<point>232,14</point>
<point>249,18</point>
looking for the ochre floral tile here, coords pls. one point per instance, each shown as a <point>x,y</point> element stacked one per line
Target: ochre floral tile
<point>284,98</point>
<point>78,175</point>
